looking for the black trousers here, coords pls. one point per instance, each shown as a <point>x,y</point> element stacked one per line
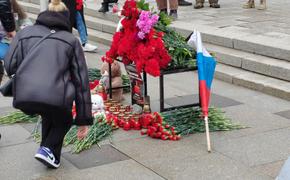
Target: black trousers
<point>1,71</point>
<point>55,125</point>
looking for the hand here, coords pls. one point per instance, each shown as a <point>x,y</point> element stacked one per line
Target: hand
<point>11,34</point>
<point>82,132</point>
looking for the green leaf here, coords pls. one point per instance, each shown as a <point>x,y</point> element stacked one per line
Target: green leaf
<point>143,5</point>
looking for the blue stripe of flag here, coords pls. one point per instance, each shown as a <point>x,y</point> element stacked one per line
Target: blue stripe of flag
<point>206,67</point>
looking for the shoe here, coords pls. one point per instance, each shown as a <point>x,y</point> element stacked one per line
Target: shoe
<point>45,156</point>
<point>163,11</point>
<point>173,14</point>
<point>184,3</point>
<point>198,6</point>
<point>214,5</point>
<point>250,4</point>
<point>262,6</point>
<point>89,48</point>
<point>104,8</point>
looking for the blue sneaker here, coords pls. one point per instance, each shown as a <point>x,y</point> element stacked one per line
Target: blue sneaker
<point>45,156</point>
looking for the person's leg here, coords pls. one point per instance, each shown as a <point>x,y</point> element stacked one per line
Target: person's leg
<point>214,3</point>
<point>162,5</point>
<point>262,5</point>
<point>199,4</point>
<point>105,6</point>
<point>249,4</point>
<point>46,123</point>
<point>173,5</point>
<point>81,28</point>
<point>61,123</point>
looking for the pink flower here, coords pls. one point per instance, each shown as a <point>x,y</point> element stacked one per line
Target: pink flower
<point>145,23</point>
<point>141,35</point>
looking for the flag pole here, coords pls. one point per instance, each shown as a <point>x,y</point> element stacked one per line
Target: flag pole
<point>207,134</point>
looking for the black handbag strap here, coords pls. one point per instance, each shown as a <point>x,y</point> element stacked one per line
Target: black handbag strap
<point>51,32</point>
<point>42,39</point>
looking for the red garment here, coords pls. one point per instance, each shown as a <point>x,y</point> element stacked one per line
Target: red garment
<point>79,5</point>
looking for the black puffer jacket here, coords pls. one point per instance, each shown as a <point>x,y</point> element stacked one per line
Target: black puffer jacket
<point>6,16</point>
<point>54,73</point>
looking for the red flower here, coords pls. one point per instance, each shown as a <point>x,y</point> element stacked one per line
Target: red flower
<point>94,84</point>
<point>148,54</point>
<point>152,67</point>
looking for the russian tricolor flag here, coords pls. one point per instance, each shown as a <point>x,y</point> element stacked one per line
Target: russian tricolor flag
<point>206,67</point>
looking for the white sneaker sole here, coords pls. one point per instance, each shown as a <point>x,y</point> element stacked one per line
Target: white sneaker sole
<point>46,161</point>
<point>90,50</point>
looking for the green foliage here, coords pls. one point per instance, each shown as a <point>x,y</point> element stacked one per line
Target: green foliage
<point>141,4</point>
<point>164,19</point>
<point>18,117</point>
<point>97,132</point>
<point>188,121</point>
<point>183,56</point>
<point>94,74</point>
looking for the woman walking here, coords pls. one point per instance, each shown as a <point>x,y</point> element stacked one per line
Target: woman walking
<point>50,72</point>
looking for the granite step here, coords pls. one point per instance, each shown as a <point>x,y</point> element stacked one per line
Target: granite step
<point>251,62</point>
<point>258,82</point>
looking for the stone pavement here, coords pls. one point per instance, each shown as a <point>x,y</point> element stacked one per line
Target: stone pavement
<point>255,153</point>
<point>273,22</point>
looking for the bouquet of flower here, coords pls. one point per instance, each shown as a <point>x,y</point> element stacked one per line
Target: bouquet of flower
<point>138,42</point>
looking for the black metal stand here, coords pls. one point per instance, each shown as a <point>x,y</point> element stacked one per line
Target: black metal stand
<point>161,89</point>
<point>145,84</point>
<point>161,86</point>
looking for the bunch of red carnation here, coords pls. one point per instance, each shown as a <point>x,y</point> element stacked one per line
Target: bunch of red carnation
<point>148,54</point>
<point>156,128</point>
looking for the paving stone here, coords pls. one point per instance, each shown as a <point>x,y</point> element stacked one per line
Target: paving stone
<point>258,149</point>
<point>270,169</point>
<point>174,86</point>
<point>215,101</point>
<point>257,120</point>
<point>188,159</point>
<point>18,163</point>
<point>12,135</point>
<point>6,110</point>
<point>122,170</point>
<point>212,166</point>
<point>95,157</point>
<point>155,105</point>
<point>146,148</point>
<point>5,102</point>
<point>30,126</point>
<point>285,114</point>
